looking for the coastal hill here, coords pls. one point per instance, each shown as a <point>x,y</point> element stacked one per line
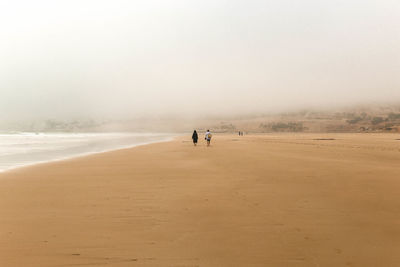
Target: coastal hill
<point>372,118</point>
<point>377,119</point>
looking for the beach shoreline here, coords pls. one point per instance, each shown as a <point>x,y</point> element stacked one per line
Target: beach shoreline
<point>88,153</point>
<point>261,200</point>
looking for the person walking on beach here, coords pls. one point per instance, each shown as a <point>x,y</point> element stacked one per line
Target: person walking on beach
<point>195,137</point>
<point>208,137</point>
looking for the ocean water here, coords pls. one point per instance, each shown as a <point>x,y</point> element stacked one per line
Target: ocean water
<point>22,149</point>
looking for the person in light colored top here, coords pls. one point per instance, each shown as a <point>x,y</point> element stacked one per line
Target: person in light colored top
<point>208,137</point>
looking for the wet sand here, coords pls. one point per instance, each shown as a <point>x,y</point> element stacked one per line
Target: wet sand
<point>271,200</point>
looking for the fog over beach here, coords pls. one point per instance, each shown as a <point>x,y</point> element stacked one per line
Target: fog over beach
<point>121,59</point>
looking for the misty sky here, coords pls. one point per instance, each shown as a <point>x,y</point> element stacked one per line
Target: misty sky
<point>124,58</point>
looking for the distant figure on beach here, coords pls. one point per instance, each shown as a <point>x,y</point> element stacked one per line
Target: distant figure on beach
<point>208,137</point>
<point>195,137</point>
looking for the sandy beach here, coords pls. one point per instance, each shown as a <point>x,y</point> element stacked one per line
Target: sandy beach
<point>267,200</point>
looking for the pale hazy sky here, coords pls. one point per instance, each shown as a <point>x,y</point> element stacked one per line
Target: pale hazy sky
<point>95,57</point>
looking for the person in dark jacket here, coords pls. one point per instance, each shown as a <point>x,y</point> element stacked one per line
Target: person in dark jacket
<point>195,137</point>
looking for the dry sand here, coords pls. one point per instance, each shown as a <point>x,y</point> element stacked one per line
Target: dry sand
<point>272,200</point>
